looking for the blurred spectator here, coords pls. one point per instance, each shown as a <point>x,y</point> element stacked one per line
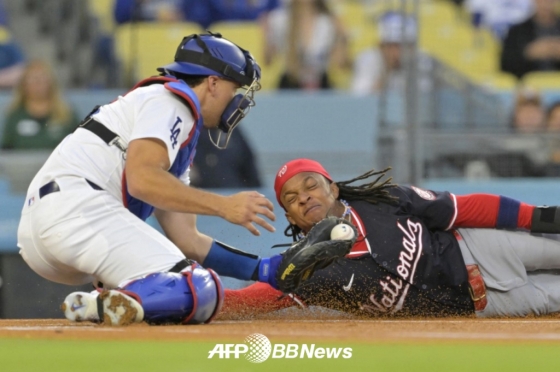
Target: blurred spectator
<point>203,12</point>
<point>232,167</point>
<point>553,117</point>
<point>528,112</point>
<point>12,61</point>
<point>533,45</point>
<point>37,118</point>
<point>3,14</point>
<point>382,67</point>
<point>239,10</point>
<point>525,153</point>
<point>310,36</point>
<point>150,10</point>
<point>553,127</point>
<point>104,72</point>
<point>499,15</point>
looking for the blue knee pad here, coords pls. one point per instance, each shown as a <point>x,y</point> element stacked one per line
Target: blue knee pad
<point>192,296</point>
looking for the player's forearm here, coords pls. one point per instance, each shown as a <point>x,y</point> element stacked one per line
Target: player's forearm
<point>196,247</point>
<point>164,191</point>
<point>181,229</point>
<point>486,210</point>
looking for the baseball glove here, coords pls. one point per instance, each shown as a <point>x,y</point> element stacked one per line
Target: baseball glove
<point>316,251</point>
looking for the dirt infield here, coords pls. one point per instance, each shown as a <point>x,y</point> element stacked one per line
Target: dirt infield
<point>303,327</point>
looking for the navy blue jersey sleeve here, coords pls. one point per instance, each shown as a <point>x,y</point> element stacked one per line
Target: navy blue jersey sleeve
<point>437,210</point>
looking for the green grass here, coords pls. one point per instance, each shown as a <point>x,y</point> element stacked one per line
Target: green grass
<point>21,355</point>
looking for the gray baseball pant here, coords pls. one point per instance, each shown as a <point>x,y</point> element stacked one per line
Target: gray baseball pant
<point>521,270</point>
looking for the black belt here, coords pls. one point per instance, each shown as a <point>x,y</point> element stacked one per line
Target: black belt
<point>49,188</point>
<point>52,186</point>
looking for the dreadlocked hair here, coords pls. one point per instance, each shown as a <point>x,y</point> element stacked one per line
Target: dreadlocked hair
<point>292,231</point>
<point>373,192</point>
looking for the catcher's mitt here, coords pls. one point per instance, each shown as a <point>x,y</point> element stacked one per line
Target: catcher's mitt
<point>316,251</point>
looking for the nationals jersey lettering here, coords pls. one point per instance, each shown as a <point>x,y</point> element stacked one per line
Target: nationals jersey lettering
<point>393,299</point>
<point>391,292</point>
<point>175,132</point>
<point>412,243</point>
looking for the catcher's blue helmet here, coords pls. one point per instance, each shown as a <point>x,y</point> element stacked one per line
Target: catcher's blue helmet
<point>211,54</point>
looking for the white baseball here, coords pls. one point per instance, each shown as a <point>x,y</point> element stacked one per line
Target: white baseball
<point>342,232</point>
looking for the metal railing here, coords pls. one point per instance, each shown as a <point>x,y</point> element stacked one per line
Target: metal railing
<point>436,101</point>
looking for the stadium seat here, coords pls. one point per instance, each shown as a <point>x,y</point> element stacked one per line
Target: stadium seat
<point>450,38</point>
<point>498,81</point>
<point>103,10</point>
<point>144,46</point>
<point>250,36</point>
<point>543,80</point>
<point>360,25</point>
<point>443,33</point>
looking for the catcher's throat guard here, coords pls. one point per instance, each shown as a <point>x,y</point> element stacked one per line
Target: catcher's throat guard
<point>314,252</point>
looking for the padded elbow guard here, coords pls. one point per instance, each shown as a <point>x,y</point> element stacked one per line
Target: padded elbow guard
<point>192,296</point>
<point>546,220</point>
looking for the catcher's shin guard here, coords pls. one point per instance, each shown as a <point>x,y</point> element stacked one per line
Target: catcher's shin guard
<point>192,296</point>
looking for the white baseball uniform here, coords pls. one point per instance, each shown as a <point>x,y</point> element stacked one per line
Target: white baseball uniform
<point>79,234</point>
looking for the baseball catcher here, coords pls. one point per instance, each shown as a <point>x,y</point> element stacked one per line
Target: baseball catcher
<point>84,216</point>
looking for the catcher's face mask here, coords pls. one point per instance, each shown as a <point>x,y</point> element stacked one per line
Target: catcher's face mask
<point>234,112</point>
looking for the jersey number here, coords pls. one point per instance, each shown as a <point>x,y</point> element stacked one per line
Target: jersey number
<point>175,132</point>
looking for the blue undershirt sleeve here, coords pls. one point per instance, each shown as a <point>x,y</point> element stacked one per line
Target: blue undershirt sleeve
<point>228,261</point>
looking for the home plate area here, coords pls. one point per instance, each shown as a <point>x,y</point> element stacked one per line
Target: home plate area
<point>295,325</point>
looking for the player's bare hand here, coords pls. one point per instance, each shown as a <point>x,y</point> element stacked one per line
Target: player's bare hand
<point>246,208</point>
